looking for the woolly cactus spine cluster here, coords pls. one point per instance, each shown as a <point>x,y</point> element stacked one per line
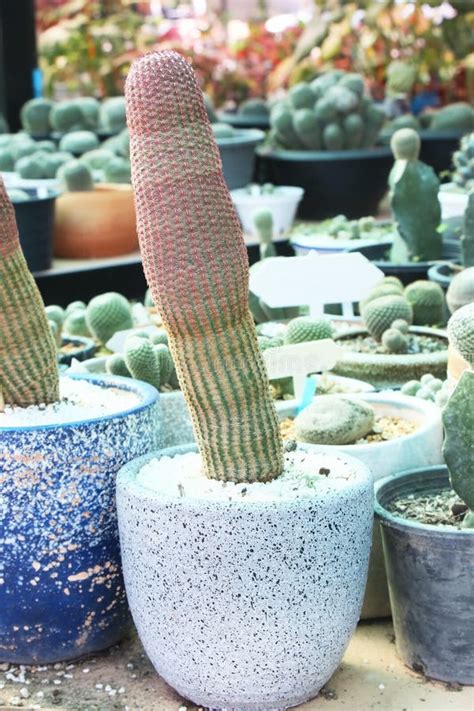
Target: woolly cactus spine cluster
<point>196,265</point>
<point>28,368</point>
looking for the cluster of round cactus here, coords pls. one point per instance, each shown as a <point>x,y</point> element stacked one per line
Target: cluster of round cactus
<point>422,303</point>
<point>145,357</point>
<point>341,228</point>
<point>40,116</point>
<point>458,116</point>
<point>428,388</point>
<point>330,113</point>
<point>463,161</point>
<point>70,321</point>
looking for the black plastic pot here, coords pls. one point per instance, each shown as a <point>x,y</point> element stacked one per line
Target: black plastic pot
<point>411,271</point>
<point>86,348</point>
<point>335,182</point>
<point>430,571</point>
<point>35,220</point>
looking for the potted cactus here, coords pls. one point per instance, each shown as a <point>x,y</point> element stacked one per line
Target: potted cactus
<point>427,522</point>
<point>62,441</point>
<point>237,151</point>
<point>94,220</point>
<point>203,562</point>
<point>322,139</point>
<point>251,113</point>
<point>390,351</point>
<point>418,240</point>
<point>389,432</point>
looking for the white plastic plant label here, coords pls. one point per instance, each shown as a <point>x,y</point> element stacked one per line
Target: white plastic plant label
<point>298,360</point>
<point>117,342</point>
<point>315,280</point>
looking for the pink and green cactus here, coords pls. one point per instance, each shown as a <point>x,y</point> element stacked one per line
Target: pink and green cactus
<point>28,366</point>
<point>195,262</point>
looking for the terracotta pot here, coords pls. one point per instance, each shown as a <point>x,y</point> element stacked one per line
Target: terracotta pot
<point>95,223</point>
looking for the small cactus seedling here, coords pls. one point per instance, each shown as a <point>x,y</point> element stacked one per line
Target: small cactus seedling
<point>394,341</point>
<point>28,367</point>
<point>75,176</point>
<point>428,303</point>
<point>458,448</point>
<point>380,313</point>
<point>187,224</point>
<point>263,225</point>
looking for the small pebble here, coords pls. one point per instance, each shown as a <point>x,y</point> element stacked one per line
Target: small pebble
<point>381,687</point>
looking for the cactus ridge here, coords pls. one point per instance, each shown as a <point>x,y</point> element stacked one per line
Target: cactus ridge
<point>28,367</point>
<point>196,265</point>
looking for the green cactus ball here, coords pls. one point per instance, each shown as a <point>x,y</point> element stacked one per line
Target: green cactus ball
<point>307,328</point>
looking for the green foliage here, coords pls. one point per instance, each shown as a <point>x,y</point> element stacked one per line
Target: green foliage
<point>379,314</point>
<point>329,113</point>
<point>79,142</point>
<point>108,313</point>
<point>34,116</point>
<point>75,176</point>
<point>334,420</point>
<point>458,421</point>
<point>427,301</point>
<point>308,328</point>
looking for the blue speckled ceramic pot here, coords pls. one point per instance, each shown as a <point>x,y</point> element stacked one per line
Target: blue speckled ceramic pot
<point>61,586</point>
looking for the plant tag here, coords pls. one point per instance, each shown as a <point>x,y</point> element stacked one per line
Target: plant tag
<point>298,360</point>
<point>117,342</point>
<point>309,392</point>
<point>315,280</point>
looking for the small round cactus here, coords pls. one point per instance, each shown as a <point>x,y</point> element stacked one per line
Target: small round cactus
<point>394,341</point>
<point>150,363</point>
<point>401,325</point>
<point>395,281</point>
<point>98,158</point>
<point>75,306</point>
<point>461,290</point>
<point>75,176</point>
<point>405,144</point>
<point>108,313</point>
<point>116,365</point>
<point>461,332</point>
<point>79,142</point>
<point>76,325</point>
<point>55,313</point>
<point>117,170</point>
<point>307,328</point>
<point>379,314</point>
<point>34,116</point>
<point>332,419</point>
<point>427,301</point>
<point>112,114</point>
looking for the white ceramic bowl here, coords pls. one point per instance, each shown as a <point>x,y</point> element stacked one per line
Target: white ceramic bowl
<point>283,203</point>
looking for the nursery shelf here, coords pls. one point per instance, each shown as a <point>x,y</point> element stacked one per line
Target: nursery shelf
<point>72,279</point>
<point>370,678</point>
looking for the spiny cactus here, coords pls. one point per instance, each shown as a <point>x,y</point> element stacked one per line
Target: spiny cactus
<point>414,184</point>
<point>75,176</point>
<point>458,116</point>
<point>108,313</point>
<point>263,224</point>
<point>142,361</point>
<point>401,325</point>
<point>463,161</point>
<point>394,340</point>
<point>117,170</point>
<point>185,216</point>
<point>383,289</point>
<point>34,116</point>
<point>116,365</point>
<point>75,324</point>
<point>112,114</point>
<point>308,328</point>
<point>427,301</point>
<point>55,313</point>
<point>379,314</point>
<point>330,113</point>
<point>467,237</point>
<point>336,420</point>
<point>461,332</point>
<point>97,159</point>
<point>461,290</point>
<point>79,142</point>
<point>28,368</point>
<point>405,144</point>
<point>458,421</point>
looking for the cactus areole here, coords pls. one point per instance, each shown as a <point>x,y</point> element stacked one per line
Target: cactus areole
<point>195,263</point>
<point>28,367</point>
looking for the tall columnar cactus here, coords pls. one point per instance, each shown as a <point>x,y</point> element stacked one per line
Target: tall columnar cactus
<point>467,238</point>
<point>28,367</point>
<point>414,188</point>
<point>196,265</point>
<point>458,421</point>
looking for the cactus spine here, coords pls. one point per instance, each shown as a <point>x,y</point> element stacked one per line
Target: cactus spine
<point>28,368</point>
<point>187,225</point>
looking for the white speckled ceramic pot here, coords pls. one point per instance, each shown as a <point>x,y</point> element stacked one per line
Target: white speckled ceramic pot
<point>249,605</point>
<point>422,448</point>
<point>61,588</point>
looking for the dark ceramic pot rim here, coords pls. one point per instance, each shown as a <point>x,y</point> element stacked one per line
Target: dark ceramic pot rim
<point>355,154</point>
<point>244,120</point>
<point>148,396</point>
<point>404,525</point>
<point>50,197</point>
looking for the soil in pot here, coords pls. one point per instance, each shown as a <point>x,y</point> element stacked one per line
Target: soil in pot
<point>61,589</point>
<point>430,573</point>
<point>417,344</point>
<point>236,590</point>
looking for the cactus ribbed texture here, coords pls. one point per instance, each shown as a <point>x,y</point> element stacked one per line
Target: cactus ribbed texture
<point>28,367</point>
<point>196,265</point>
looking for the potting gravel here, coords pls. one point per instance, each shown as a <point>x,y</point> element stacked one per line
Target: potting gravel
<point>304,472</point>
<point>80,400</point>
